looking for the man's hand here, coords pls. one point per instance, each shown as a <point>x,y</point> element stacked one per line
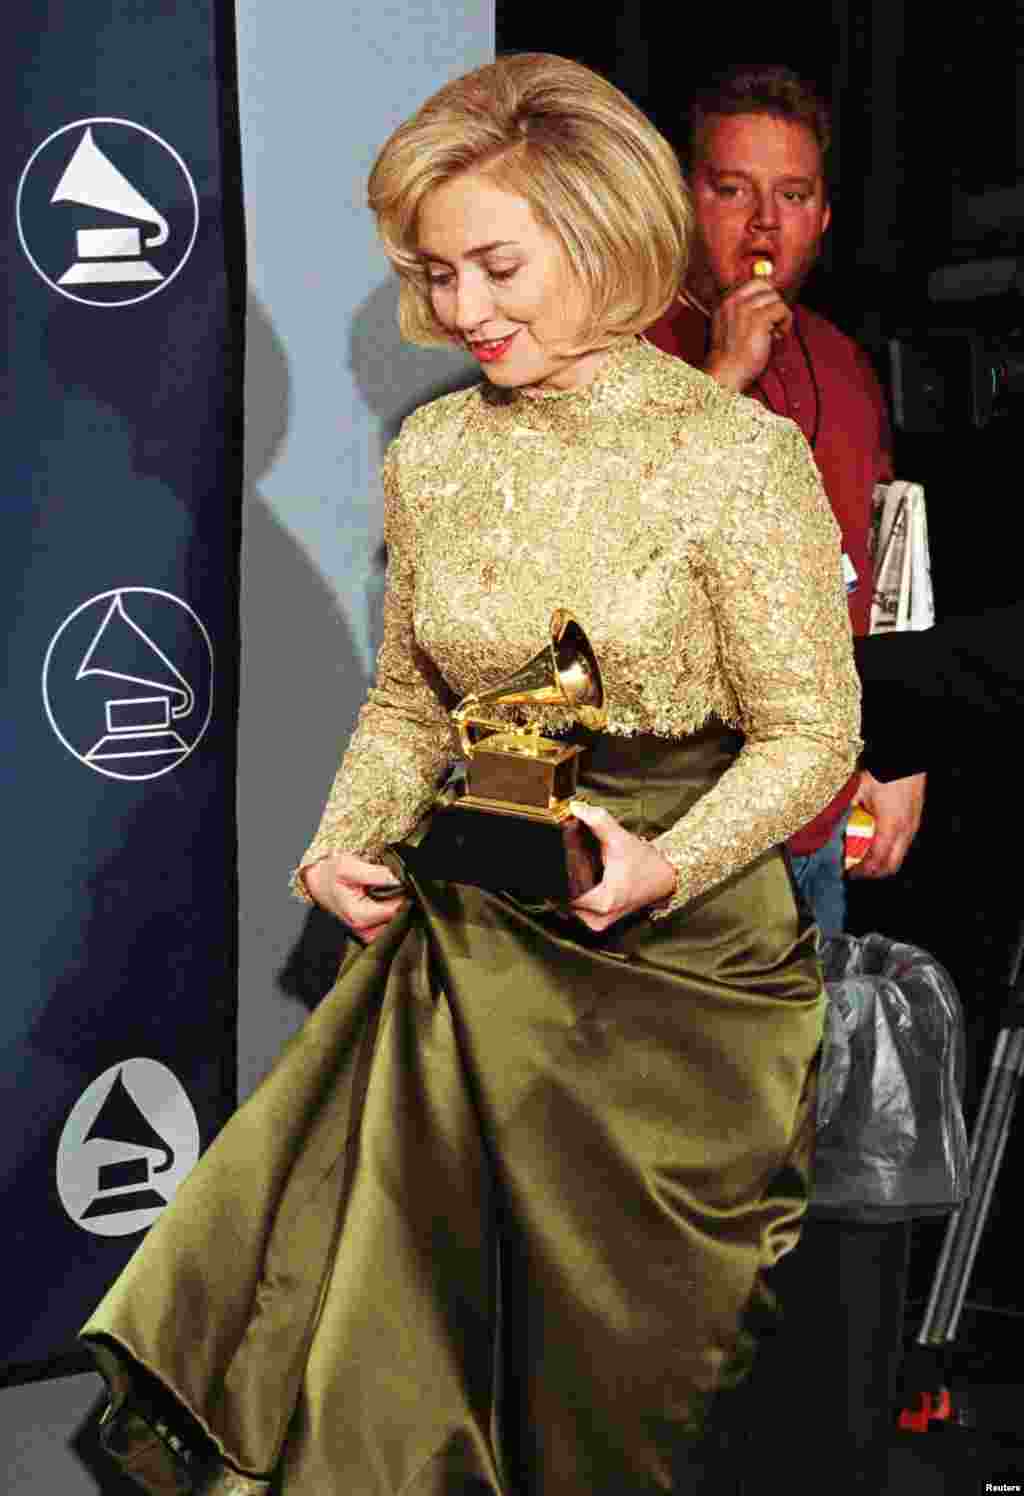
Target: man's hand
<point>743,326</point>
<point>897,808</point>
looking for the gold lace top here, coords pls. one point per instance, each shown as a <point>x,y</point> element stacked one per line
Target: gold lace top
<point>687,530</point>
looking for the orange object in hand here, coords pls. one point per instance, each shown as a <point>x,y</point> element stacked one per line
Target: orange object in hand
<point>860,830</point>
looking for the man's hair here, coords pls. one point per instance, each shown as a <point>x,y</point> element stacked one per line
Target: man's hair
<point>759,88</point>
<point>593,168</point>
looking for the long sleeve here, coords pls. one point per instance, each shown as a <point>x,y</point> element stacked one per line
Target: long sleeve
<point>403,742</point>
<point>771,569</point>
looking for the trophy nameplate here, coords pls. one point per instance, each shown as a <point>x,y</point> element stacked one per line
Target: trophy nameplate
<point>512,829</point>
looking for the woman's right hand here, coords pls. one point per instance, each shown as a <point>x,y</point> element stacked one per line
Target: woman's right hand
<point>338,884</point>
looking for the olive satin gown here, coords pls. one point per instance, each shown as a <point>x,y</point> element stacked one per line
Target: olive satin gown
<point>496,1221</point>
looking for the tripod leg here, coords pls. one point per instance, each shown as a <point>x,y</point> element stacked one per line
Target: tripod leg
<point>988,1144</point>
<point>927,1378</point>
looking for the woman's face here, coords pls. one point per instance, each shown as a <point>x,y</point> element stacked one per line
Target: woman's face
<point>500,283</point>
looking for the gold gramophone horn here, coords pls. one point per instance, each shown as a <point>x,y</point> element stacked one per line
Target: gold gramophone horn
<point>576,668</point>
<point>564,673</point>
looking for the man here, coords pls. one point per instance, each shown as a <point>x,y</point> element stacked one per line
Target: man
<point>822,1389</point>
<point>757,148</point>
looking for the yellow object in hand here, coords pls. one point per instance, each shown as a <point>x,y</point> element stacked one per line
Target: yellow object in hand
<point>859,831</point>
<point>763,267</point>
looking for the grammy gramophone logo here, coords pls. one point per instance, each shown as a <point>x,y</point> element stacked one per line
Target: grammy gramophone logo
<point>128,682</point>
<point>129,1141</point>
<point>107,212</point>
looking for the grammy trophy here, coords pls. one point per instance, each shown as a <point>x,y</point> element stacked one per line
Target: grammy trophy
<point>511,827</point>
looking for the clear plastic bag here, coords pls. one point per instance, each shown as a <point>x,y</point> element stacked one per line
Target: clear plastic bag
<point>891,1141</point>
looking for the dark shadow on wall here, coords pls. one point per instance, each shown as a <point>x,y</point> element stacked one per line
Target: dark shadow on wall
<point>393,378</point>
<point>302,677</point>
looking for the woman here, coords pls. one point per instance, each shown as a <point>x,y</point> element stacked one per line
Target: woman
<point>496,1220</point>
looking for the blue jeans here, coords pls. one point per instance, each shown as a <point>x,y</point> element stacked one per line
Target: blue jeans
<point>819,877</point>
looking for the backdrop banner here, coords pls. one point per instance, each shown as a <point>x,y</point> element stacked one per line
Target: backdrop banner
<point>121,494</point>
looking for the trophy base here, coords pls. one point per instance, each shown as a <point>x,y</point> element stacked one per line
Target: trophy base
<point>530,856</point>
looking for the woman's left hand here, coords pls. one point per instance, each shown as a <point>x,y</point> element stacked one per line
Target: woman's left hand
<point>635,873</point>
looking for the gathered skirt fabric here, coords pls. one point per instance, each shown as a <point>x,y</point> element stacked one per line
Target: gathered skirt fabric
<point>496,1220</point>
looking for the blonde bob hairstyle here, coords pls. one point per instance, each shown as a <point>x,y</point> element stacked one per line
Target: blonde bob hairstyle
<point>593,168</point>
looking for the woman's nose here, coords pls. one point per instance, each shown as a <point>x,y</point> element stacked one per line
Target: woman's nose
<point>473,303</point>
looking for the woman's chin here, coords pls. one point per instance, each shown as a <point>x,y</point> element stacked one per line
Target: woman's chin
<point>508,377</point>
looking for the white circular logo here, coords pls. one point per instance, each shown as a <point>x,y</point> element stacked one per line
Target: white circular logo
<point>107,212</point>
<point>129,1141</point>
<point>128,682</point>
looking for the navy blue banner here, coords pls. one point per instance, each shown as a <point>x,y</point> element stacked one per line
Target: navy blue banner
<point>120,487</point>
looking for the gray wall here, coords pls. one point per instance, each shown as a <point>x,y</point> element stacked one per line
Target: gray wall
<point>327,384</point>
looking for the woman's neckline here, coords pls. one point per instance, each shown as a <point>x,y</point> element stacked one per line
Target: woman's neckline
<point>534,395</point>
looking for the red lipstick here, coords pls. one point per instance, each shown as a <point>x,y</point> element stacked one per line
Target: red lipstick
<point>488,351</point>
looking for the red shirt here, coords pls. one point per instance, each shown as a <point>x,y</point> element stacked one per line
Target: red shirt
<point>820,379</point>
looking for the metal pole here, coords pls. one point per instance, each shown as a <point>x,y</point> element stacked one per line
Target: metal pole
<point>988,1144</point>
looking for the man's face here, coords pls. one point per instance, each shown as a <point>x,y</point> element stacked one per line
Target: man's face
<point>759,194</point>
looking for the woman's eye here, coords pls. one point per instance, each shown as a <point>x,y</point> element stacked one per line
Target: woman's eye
<point>439,278</point>
<point>502,275</point>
